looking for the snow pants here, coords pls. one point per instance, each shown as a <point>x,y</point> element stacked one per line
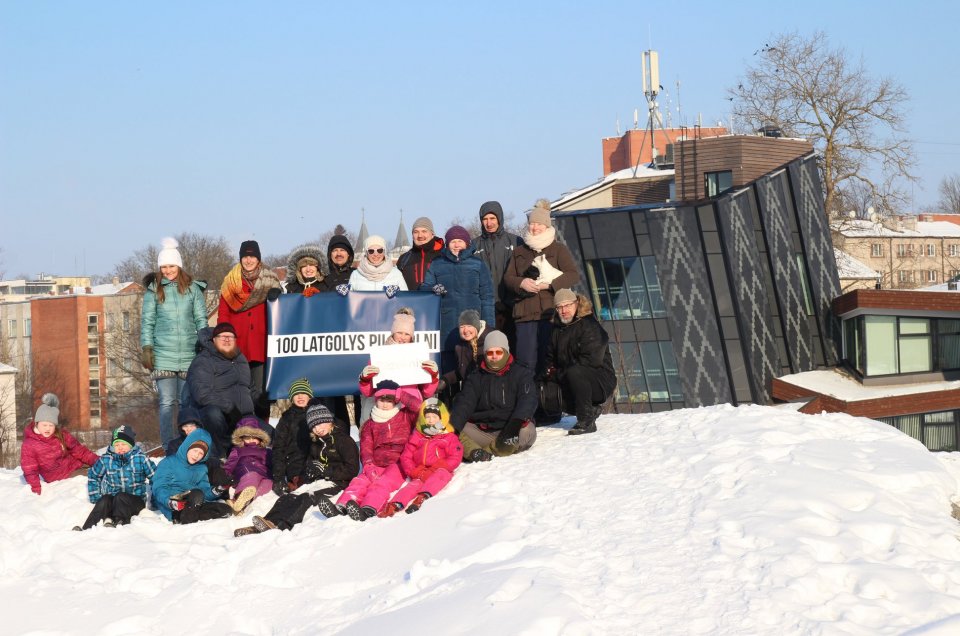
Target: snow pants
<point>121,507</point>
<point>432,485</point>
<point>473,437</point>
<point>373,486</point>
<point>261,483</point>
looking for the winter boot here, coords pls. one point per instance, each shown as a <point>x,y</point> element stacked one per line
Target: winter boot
<point>242,500</point>
<point>108,523</point>
<point>328,508</point>
<point>77,529</point>
<point>480,455</point>
<point>389,509</point>
<point>417,502</point>
<point>357,513</point>
<point>584,426</point>
<point>262,525</point>
<point>242,532</point>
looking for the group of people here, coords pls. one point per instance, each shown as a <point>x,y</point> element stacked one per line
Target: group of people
<point>512,330</point>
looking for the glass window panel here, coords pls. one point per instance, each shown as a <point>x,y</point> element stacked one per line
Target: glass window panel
<point>653,286</point>
<point>948,352</point>
<point>909,424</point>
<point>672,371</point>
<point>941,417</point>
<point>941,437</point>
<point>616,288</point>
<point>637,286</point>
<point>946,325</point>
<point>633,370</point>
<point>914,326</point>
<point>881,344</point>
<point>916,354</point>
<point>653,370</point>
<point>601,304</point>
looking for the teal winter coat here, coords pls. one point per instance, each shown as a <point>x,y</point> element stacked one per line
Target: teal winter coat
<point>171,327</point>
<point>175,474</point>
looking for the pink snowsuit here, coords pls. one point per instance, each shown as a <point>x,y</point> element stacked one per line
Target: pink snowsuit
<point>45,457</point>
<point>380,446</point>
<point>429,462</point>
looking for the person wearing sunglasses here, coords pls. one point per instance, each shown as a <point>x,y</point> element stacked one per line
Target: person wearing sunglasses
<point>375,270</point>
<point>493,413</point>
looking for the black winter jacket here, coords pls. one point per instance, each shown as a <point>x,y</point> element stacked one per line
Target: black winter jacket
<point>338,275</point>
<point>415,262</point>
<point>496,250</point>
<point>338,452</point>
<point>583,342</point>
<point>493,398</point>
<point>291,444</point>
<point>216,380</point>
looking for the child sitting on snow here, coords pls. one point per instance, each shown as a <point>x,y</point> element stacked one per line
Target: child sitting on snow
<point>291,442</point>
<point>431,455</point>
<point>249,463</point>
<point>333,457</point>
<point>117,482</point>
<point>382,439</point>
<point>48,451</point>
<point>188,420</point>
<point>180,484</point>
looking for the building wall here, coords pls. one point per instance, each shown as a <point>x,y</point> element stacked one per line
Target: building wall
<point>744,283</point>
<point>8,409</point>
<point>635,146</point>
<point>747,157</point>
<point>15,337</point>
<point>641,191</point>
<point>905,262</point>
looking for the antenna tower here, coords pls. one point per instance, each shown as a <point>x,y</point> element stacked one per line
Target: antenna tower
<point>651,88</point>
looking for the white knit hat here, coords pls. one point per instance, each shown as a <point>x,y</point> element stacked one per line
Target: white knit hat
<point>169,254</point>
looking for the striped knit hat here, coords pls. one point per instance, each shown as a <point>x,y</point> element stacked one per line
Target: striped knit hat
<point>300,385</point>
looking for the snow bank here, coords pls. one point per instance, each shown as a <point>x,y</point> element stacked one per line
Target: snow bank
<point>721,520</point>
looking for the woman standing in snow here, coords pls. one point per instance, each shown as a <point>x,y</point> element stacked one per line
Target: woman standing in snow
<point>375,270</point>
<point>173,311</point>
<point>48,451</point>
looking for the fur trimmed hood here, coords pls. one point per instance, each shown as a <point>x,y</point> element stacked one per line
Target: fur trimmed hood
<point>584,309</point>
<point>313,251</point>
<point>249,431</point>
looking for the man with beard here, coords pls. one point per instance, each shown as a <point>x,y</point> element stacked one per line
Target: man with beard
<point>220,385</point>
<point>415,262</point>
<point>578,359</point>
<point>340,262</point>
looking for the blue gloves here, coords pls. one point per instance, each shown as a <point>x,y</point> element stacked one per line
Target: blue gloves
<point>391,290</point>
<point>439,290</point>
<point>343,289</point>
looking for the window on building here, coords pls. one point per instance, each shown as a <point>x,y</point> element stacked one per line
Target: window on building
<point>94,389</point>
<point>948,344</point>
<point>954,273</point>
<point>905,276</point>
<point>11,328</point>
<point>626,288</point>
<point>880,334</point>
<point>716,183</point>
<point>27,327</point>
<point>126,321</point>
<point>93,324</point>
<point>931,275</point>
<point>954,249</point>
<point>876,250</point>
<point>915,345</point>
<point>931,249</point>
<point>937,431</point>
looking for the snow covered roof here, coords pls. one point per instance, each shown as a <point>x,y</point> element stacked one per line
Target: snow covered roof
<point>849,267</point>
<point>719,520</point>
<point>6,368</point>
<point>107,289</point>
<point>862,228</point>
<point>839,384</point>
<point>620,175</point>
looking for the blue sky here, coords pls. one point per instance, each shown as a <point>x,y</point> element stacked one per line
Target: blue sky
<point>122,122</point>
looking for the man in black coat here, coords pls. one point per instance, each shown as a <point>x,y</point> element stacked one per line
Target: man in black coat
<point>220,384</point>
<point>339,262</point>
<point>494,247</point>
<point>415,262</point>
<point>579,360</point>
<point>493,413</point>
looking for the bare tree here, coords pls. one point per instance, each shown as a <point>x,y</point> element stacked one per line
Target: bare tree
<point>856,122</point>
<point>949,190</point>
<point>206,258</point>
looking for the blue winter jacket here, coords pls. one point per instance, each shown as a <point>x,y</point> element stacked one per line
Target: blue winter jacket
<point>171,327</point>
<point>175,474</point>
<point>115,473</point>
<point>469,286</point>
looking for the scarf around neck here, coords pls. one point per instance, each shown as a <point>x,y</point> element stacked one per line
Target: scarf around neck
<point>381,416</point>
<point>540,241</point>
<point>238,297</point>
<point>375,273</point>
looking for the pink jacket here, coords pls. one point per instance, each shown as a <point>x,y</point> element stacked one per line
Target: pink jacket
<point>424,455</point>
<point>382,442</point>
<point>44,457</point>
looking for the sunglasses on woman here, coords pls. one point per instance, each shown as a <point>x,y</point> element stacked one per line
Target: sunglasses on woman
<point>379,250</point>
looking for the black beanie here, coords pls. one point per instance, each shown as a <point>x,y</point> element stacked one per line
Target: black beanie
<point>250,248</point>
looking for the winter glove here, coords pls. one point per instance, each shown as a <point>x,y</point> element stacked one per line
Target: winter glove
<point>439,289</point>
<point>510,435</point>
<point>430,367</point>
<point>280,487</point>
<point>146,358</point>
<point>217,490</point>
<point>35,489</point>
<point>368,372</point>
<point>314,470</point>
<point>441,385</point>
<point>273,293</point>
<point>343,289</point>
<point>391,290</point>
<point>310,291</point>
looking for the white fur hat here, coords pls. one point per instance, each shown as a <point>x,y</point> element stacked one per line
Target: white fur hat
<point>169,255</point>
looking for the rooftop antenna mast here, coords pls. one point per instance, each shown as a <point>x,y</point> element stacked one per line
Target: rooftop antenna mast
<point>651,88</point>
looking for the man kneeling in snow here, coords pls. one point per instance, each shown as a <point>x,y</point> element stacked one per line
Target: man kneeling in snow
<point>493,413</point>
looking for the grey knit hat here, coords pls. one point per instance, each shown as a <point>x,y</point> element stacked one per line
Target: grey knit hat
<point>470,317</point>
<point>540,213</point>
<point>564,296</point>
<point>423,222</point>
<point>496,340</point>
<point>49,409</point>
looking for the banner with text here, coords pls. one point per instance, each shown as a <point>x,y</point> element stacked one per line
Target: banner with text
<point>327,337</point>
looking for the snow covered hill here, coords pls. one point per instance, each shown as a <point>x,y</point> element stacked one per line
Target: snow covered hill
<point>749,520</point>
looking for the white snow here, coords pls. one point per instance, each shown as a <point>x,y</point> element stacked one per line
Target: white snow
<point>860,227</point>
<point>722,520</point>
<point>849,267</point>
<point>839,384</point>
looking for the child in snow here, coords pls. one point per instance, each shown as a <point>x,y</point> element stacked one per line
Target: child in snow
<point>250,462</point>
<point>291,442</point>
<point>188,420</point>
<point>48,451</point>
<point>180,483</point>
<point>401,332</point>
<point>332,457</point>
<point>469,353</point>
<point>431,455</point>
<point>117,482</point>
<point>382,439</point>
